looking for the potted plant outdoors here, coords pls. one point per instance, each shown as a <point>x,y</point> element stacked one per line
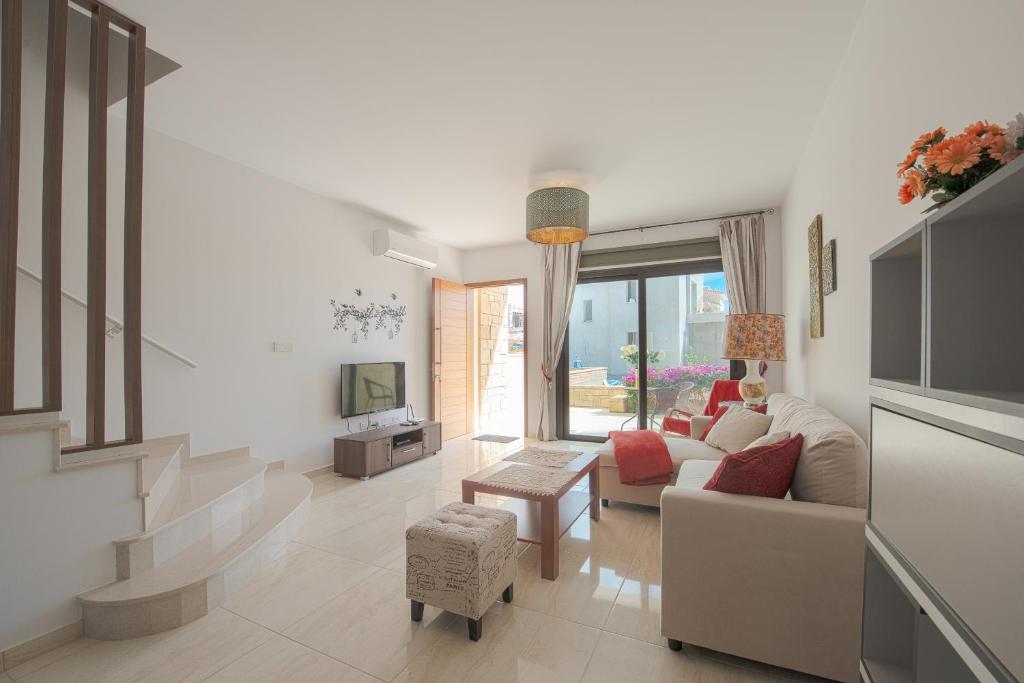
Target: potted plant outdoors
<point>631,354</point>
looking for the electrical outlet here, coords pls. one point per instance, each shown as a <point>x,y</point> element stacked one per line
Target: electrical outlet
<point>282,347</point>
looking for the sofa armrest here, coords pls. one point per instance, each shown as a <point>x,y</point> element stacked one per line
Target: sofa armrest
<point>777,581</point>
<point>698,423</point>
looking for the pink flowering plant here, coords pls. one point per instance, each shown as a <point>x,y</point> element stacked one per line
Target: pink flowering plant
<point>703,375</point>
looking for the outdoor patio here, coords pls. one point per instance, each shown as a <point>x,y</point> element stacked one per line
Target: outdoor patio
<point>599,420</point>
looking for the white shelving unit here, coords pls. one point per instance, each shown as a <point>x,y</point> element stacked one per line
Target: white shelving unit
<point>944,571</point>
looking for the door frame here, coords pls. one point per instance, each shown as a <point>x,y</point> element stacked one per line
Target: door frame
<point>435,354</point>
<point>641,275</point>
<point>526,343</point>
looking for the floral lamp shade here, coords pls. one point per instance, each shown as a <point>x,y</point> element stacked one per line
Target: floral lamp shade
<point>755,336</point>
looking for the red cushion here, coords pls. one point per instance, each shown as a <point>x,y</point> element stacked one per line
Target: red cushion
<point>677,425</point>
<point>718,416</point>
<point>763,409</point>
<point>762,471</point>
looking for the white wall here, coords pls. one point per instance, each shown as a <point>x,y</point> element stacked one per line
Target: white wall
<point>233,260</point>
<point>525,260</point>
<point>898,79</point>
<point>56,532</point>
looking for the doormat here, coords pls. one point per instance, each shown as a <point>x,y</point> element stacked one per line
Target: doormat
<point>496,438</point>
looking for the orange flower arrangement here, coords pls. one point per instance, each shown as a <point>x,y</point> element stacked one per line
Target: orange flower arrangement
<point>947,167</point>
<point>915,180</point>
<point>960,154</point>
<point>927,139</point>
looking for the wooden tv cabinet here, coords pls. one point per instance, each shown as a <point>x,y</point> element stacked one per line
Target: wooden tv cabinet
<point>365,454</point>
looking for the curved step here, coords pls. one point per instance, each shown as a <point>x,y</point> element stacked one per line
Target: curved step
<point>203,495</point>
<point>197,579</point>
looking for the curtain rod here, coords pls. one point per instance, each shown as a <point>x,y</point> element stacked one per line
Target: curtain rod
<point>691,220</point>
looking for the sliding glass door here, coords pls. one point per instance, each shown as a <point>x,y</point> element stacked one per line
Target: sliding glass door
<point>603,343</point>
<point>640,342</point>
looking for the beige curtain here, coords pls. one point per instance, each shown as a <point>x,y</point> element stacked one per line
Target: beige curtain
<point>561,266</point>
<point>743,260</point>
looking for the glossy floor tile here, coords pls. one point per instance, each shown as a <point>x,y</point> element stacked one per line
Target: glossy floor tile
<point>618,658</point>
<point>379,541</point>
<point>368,627</point>
<point>334,607</point>
<point>517,645</point>
<point>616,536</point>
<point>637,609</point>
<point>295,586</point>
<point>584,592</point>
<point>191,653</point>
<point>280,659</point>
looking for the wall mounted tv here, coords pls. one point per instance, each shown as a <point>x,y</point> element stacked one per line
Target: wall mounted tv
<point>371,387</point>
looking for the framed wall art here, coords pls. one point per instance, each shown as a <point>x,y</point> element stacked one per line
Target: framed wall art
<point>814,270</point>
<point>828,267</point>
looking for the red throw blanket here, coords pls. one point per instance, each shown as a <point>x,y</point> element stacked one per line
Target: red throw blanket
<point>722,390</point>
<point>642,457</point>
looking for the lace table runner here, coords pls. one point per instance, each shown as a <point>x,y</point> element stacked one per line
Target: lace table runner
<point>544,457</point>
<point>543,481</point>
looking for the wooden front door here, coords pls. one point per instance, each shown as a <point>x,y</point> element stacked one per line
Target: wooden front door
<point>452,355</point>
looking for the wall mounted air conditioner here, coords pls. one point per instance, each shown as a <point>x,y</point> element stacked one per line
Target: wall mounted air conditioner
<point>403,248</point>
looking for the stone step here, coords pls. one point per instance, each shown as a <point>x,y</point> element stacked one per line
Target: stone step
<point>204,493</point>
<point>198,577</point>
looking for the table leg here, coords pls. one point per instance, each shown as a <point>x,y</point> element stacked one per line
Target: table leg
<point>549,538</point>
<point>595,493</point>
<point>468,493</point>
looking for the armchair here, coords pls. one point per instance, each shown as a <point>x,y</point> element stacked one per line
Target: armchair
<point>679,422</point>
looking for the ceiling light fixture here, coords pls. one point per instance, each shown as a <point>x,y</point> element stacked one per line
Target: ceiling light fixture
<point>557,215</point>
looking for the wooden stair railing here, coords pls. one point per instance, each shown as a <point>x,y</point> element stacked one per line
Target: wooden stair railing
<point>103,20</point>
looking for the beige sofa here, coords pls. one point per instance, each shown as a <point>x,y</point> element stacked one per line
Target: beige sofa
<point>680,450</point>
<point>777,581</point>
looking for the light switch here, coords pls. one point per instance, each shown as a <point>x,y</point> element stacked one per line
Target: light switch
<point>282,347</point>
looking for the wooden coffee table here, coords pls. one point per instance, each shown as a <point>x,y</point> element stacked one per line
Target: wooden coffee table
<point>543,515</point>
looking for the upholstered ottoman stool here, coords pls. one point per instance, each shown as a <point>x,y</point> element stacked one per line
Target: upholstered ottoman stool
<point>461,558</point>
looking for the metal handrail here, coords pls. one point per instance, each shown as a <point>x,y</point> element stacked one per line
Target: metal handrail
<point>116,324</point>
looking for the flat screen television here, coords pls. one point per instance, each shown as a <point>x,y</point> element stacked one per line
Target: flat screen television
<point>371,387</point>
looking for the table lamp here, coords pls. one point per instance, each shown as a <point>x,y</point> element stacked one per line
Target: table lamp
<point>753,337</point>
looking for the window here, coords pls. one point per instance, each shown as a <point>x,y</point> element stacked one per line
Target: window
<point>684,309</point>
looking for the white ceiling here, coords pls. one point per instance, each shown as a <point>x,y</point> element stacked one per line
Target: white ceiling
<point>443,114</point>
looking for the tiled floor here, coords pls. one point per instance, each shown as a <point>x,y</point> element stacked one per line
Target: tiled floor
<point>334,608</point>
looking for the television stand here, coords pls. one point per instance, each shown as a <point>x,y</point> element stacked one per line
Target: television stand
<point>365,454</point>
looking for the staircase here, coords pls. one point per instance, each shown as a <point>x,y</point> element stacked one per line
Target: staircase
<point>209,524</point>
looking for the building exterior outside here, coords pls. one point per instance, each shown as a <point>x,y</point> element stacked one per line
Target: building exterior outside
<point>686,328</point>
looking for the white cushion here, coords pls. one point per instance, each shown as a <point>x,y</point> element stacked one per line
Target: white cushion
<point>768,439</point>
<point>737,428</point>
<point>695,473</point>
<point>832,468</point>
<point>679,450</point>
